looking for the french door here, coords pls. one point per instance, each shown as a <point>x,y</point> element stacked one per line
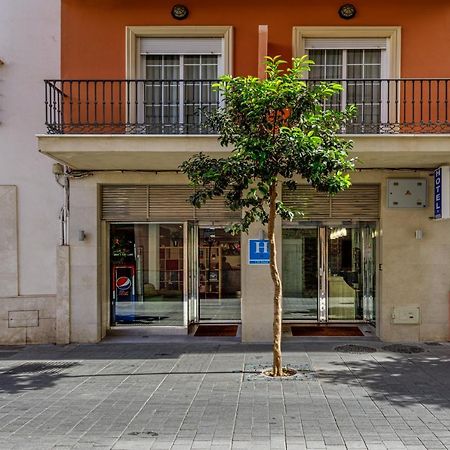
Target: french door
<point>329,272</point>
<point>213,287</point>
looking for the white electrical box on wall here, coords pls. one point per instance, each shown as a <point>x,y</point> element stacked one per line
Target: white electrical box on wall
<point>407,193</point>
<point>405,315</point>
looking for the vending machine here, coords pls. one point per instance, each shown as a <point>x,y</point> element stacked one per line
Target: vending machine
<point>123,292</point>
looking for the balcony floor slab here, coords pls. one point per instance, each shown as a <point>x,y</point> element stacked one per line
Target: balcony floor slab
<point>167,152</point>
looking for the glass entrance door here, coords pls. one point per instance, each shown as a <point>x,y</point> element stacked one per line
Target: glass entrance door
<point>300,275</point>
<point>147,274</point>
<point>219,275</point>
<point>329,273</point>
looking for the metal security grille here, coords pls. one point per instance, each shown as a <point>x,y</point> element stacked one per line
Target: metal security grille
<point>361,201</point>
<point>159,203</point>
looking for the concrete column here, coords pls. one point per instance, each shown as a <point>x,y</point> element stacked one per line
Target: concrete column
<point>85,264</point>
<point>257,290</point>
<point>62,294</point>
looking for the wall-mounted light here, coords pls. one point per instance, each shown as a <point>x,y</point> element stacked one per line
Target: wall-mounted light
<point>179,12</point>
<point>81,235</point>
<point>347,11</point>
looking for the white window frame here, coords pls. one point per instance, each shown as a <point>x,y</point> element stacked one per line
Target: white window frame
<point>134,34</point>
<point>166,49</point>
<point>391,57</point>
<point>391,34</point>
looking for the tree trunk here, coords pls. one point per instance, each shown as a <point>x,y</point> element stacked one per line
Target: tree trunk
<point>277,297</point>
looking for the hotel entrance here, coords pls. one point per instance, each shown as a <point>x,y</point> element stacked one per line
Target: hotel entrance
<point>329,272</point>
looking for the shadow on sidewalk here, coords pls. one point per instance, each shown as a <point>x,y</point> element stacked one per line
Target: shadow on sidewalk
<point>32,376</point>
<point>405,381</point>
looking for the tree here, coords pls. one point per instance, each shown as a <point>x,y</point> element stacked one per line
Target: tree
<point>278,129</point>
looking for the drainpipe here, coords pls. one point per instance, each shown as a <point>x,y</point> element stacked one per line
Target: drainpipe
<point>62,178</point>
<point>65,209</point>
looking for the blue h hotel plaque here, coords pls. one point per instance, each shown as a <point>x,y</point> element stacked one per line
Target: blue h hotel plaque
<point>258,251</point>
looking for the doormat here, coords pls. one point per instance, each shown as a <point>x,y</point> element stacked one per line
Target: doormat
<point>216,330</point>
<point>326,331</point>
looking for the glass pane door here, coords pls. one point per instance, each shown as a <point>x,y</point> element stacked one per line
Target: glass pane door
<point>328,273</point>
<point>351,272</point>
<point>147,274</point>
<point>300,273</point>
<point>344,274</point>
<point>192,295</point>
<point>368,240</point>
<point>219,261</point>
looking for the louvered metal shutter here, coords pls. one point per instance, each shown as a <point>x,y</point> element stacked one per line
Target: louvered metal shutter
<point>346,43</point>
<point>160,203</point>
<point>359,202</point>
<point>170,203</point>
<point>124,202</point>
<point>181,46</point>
<point>314,205</point>
<point>216,210</point>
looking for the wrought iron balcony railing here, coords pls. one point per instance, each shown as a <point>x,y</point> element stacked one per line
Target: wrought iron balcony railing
<point>385,106</point>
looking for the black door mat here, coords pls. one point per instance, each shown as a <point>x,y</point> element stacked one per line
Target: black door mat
<point>216,330</point>
<point>326,331</point>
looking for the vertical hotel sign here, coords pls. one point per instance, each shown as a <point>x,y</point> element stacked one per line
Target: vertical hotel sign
<point>442,192</point>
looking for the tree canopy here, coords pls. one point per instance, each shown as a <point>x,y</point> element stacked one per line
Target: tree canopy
<point>277,128</point>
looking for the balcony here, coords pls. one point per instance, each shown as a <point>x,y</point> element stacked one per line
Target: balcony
<point>177,107</point>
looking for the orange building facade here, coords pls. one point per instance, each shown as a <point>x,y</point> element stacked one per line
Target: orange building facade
<point>129,108</point>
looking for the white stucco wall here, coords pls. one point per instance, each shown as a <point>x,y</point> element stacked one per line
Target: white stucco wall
<point>30,49</point>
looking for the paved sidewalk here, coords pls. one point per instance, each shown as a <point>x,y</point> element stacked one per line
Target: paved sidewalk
<point>197,394</point>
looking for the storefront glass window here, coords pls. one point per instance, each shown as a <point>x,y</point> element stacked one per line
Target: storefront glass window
<point>146,274</point>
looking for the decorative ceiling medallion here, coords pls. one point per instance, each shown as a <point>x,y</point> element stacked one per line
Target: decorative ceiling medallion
<point>180,12</point>
<point>347,11</point>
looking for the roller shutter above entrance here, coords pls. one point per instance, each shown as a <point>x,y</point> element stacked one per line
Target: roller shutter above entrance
<point>159,203</point>
<point>360,201</point>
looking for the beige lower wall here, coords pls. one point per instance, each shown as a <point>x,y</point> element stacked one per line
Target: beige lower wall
<point>9,274</point>
<point>27,320</point>
<point>414,272</point>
